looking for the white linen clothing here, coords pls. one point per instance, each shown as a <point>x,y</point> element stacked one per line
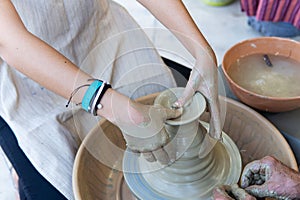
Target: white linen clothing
<point>101,38</point>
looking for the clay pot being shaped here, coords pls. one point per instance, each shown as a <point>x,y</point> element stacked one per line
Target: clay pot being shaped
<point>189,177</point>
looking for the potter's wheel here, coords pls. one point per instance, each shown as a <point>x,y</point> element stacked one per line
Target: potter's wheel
<point>189,177</point>
<point>123,192</point>
<point>94,180</point>
<point>227,171</point>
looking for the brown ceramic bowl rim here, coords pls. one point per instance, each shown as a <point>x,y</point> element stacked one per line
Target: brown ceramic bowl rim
<point>242,88</point>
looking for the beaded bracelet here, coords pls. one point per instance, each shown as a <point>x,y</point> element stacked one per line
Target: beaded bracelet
<point>90,94</point>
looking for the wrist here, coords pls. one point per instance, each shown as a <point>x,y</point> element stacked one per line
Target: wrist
<point>106,102</point>
<point>206,52</point>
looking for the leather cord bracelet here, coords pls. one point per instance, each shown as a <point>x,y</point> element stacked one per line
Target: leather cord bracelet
<point>95,103</point>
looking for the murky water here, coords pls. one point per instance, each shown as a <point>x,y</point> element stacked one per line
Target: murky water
<point>281,80</point>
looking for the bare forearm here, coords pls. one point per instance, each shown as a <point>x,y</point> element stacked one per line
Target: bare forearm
<point>174,15</point>
<point>40,62</point>
<point>44,65</point>
<point>33,57</point>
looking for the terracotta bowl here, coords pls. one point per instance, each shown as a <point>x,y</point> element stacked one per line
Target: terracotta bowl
<point>253,134</point>
<point>264,45</point>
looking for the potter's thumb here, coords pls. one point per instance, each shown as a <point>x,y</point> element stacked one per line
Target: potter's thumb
<point>258,190</point>
<point>173,113</point>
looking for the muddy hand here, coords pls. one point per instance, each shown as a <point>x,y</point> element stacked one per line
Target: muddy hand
<point>269,177</point>
<point>215,130</point>
<point>144,132</point>
<point>229,192</point>
<point>204,79</point>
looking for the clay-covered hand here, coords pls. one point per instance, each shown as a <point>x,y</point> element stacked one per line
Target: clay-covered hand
<point>230,192</point>
<point>269,177</point>
<point>204,78</point>
<point>143,129</point>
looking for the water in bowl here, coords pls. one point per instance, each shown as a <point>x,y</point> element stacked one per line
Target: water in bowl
<point>282,79</point>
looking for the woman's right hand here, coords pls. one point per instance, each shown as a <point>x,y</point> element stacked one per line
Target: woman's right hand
<point>143,126</point>
<point>269,177</point>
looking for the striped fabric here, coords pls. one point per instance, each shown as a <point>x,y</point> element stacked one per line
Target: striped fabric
<point>273,10</point>
<point>101,38</point>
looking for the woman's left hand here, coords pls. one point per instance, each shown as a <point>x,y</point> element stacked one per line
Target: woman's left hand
<point>204,78</point>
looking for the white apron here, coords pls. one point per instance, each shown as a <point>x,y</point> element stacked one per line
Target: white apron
<point>102,39</point>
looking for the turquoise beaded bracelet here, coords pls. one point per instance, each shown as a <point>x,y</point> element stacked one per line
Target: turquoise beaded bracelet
<point>89,95</point>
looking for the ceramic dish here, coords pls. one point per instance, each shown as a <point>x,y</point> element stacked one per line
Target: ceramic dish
<point>265,46</point>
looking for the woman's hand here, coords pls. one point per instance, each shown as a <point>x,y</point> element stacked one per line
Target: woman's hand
<point>269,177</point>
<point>204,78</point>
<point>204,74</point>
<point>230,192</point>
<point>145,133</point>
<point>142,125</point>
